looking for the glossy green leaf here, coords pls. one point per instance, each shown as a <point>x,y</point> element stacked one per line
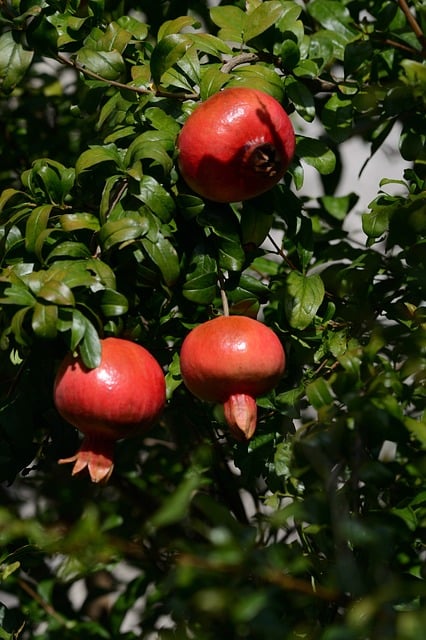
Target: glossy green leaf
<point>301,97</point>
<point>208,43</point>
<point>155,196</point>
<point>121,231</point>
<point>97,154</point>
<point>212,80</point>
<point>44,320</point>
<point>319,393</point>
<point>138,29</point>
<point>68,249</point>
<point>261,18</point>
<point>201,279</point>
<point>37,222</point>
<point>14,61</point>
<point>112,303</point>
<point>90,345</point>
<point>258,76</point>
<point>164,256</point>
<point>18,294</point>
<point>303,296</point>
<point>337,117</point>
<point>189,205</point>
<point>167,52</point>
<point>56,292</point>
<point>339,206</point>
<point>109,65</point>
<point>75,221</point>
<point>170,27</point>
<point>317,154</point>
<point>232,22</point>
<point>334,16</point>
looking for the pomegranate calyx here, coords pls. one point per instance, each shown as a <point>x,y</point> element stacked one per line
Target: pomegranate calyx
<point>264,158</point>
<point>97,456</point>
<point>240,412</point>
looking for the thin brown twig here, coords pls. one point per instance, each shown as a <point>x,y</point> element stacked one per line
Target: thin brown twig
<point>236,61</point>
<point>413,23</point>
<point>41,601</point>
<point>121,85</point>
<point>281,253</point>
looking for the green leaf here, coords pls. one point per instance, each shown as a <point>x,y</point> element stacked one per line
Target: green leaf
<point>112,303</point>
<point>232,22</point>
<point>170,27</point>
<point>317,154</point>
<point>124,230</point>
<point>258,76</point>
<point>168,51</point>
<point>18,294</point>
<point>303,296</point>
<point>339,206</point>
<point>334,16</point>
<point>90,345</point>
<point>212,80</point>
<point>337,118</point>
<point>319,393</point>
<point>208,43</point>
<point>164,256</point>
<point>155,196</point>
<point>76,221</point>
<point>190,205</point>
<point>109,65</point>
<point>97,154</point>
<point>176,505</point>
<point>162,121</point>
<point>44,320</point>
<point>36,223</point>
<point>138,29</point>
<point>301,97</point>
<point>201,278</point>
<point>14,61</point>
<point>151,145</point>
<point>255,223</point>
<point>262,18</point>
<point>56,292</point>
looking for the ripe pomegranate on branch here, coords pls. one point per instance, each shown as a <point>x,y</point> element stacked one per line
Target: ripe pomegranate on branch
<point>236,145</point>
<point>231,360</point>
<point>120,398</point>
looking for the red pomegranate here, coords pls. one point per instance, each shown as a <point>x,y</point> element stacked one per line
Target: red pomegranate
<point>231,360</point>
<point>120,398</point>
<point>235,145</point>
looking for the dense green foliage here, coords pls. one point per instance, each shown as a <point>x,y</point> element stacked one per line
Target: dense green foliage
<point>316,528</point>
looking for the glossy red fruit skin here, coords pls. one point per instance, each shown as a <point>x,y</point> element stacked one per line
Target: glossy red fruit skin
<point>231,360</point>
<point>235,145</point>
<point>120,398</point>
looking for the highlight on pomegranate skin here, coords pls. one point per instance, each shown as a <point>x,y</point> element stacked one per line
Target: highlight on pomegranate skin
<point>236,145</point>
<point>120,398</point>
<point>231,360</point>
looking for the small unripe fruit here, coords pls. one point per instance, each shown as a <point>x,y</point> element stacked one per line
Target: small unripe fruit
<point>120,398</point>
<point>235,145</point>
<point>231,360</point>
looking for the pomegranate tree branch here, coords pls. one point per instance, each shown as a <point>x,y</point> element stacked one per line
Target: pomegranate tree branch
<point>236,61</point>
<point>121,85</point>
<point>281,253</point>
<point>413,23</point>
<point>25,586</point>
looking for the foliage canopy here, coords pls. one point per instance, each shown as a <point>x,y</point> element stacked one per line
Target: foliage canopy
<point>315,528</point>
